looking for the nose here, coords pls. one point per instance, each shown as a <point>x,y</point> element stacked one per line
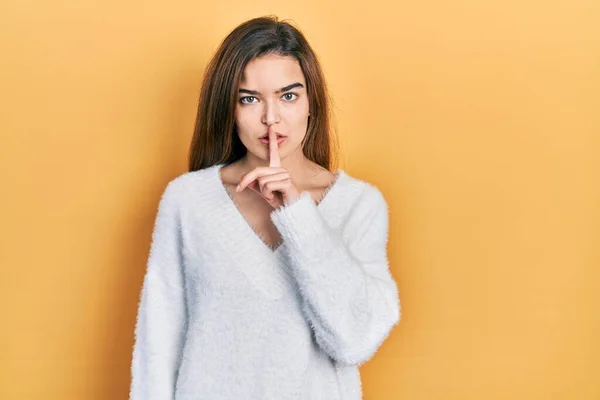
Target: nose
<point>271,113</point>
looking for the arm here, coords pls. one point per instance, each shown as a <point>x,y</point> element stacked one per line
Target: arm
<point>162,315</point>
<point>349,296</point>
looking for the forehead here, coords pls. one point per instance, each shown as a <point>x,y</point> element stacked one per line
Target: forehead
<point>272,72</point>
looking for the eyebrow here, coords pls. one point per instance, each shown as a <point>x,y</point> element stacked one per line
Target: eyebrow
<point>283,89</point>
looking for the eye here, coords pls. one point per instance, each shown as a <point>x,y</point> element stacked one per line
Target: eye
<point>247,97</point>
<point>290,94</point>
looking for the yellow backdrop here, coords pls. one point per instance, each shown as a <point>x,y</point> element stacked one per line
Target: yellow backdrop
<point>479,120</point>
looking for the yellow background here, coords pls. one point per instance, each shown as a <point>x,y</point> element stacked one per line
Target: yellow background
<point>479,120</point>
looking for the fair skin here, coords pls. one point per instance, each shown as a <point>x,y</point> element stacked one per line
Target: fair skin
<point>272,174</point>
<point>278,172</point>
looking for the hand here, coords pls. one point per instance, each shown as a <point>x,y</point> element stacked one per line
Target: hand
<point>273,183</point>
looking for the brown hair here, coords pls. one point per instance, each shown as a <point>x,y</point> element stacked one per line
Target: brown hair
<point>215,139</point>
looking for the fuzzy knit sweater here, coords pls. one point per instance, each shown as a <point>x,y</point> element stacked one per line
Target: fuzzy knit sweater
<point>224,316</point>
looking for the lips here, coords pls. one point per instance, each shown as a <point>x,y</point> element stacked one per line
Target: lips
<point>266,141</point>
<point>266,136</point>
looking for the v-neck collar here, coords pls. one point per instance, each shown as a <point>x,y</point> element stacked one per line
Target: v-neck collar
<point>230,203</point>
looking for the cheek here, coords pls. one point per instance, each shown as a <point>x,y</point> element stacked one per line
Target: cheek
<point>243,120</point>
<point>297,114</point>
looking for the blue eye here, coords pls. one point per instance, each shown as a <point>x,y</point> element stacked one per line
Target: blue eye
<point>288,94</point>
<point>289,97</point>
<point>247,97</point>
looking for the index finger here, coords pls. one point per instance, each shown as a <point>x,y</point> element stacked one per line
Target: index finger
<point>274,160</point>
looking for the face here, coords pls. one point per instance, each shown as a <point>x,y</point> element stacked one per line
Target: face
<point>272,92</point>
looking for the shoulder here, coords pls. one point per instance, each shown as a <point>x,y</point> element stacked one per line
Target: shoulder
<point>366,214</point>
<point>366,195</point>
<point>188,183</point>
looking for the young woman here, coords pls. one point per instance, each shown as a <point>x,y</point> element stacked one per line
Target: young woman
<point>268,274</point>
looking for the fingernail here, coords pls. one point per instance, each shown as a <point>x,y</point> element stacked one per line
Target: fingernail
<point>237,188</point>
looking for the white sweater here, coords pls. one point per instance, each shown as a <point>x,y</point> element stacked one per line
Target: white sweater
<point>224,316</point>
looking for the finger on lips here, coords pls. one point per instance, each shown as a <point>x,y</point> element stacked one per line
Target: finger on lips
<point>274,162</point>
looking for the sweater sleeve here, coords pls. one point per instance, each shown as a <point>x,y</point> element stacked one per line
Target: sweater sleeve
<point>162,315</point>
<point>348,293</point>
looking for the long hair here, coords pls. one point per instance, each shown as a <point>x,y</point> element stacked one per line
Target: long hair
<point>215,138</point>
